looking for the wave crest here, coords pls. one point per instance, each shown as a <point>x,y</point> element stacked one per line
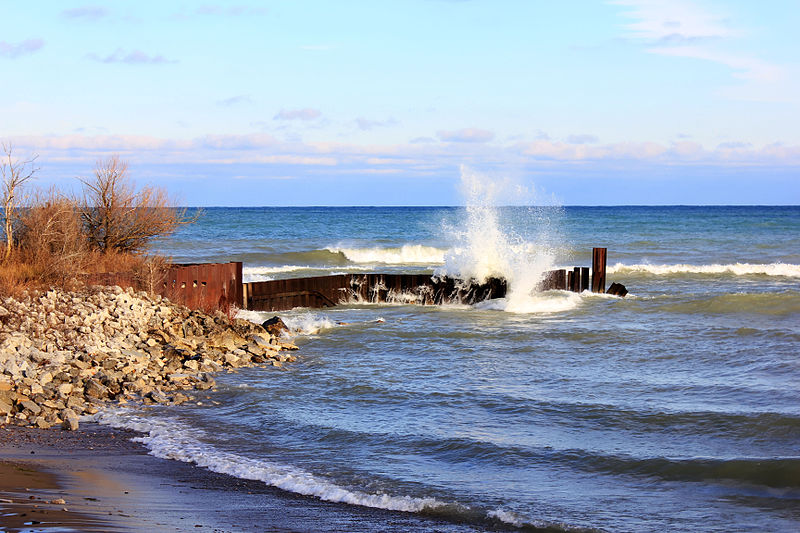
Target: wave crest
<point>738,269</point>
<point>412,254</point>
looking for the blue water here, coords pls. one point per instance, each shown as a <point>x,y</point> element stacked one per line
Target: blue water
<point>676,408</point>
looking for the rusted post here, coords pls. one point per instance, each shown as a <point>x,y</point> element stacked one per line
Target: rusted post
<point>599,269</point>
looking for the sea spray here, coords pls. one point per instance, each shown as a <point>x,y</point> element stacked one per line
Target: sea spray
<point>486,245</point>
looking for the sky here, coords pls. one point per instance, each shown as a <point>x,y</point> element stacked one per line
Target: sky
<point>301,102</point>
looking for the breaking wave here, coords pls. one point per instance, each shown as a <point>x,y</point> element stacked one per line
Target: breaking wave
<point>408,254</point>
<point>168,438</point>
<point>738,269</point>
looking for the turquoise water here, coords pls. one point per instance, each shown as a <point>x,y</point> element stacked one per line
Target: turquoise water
<point>676,408</point>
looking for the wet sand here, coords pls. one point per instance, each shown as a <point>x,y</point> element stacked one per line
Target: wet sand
<point>108,483</point>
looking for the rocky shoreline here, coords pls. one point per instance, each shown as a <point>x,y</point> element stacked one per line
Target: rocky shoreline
<point>66,354</point>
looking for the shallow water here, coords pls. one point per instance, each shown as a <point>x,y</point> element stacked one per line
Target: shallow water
<point>674,408</point>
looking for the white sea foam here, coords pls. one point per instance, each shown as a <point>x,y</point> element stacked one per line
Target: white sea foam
<point>739,269</point>
<point>540,303</point>
<point>256,317</point>
<point>307,323</point>
<point>408,254</point>
<point>509,517</point>
<point>484,248</point>
<point>170,439</point>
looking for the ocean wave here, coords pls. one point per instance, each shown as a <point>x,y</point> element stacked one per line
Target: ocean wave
<point>412,254</point>
<point>738,269</point>
<point>269,273</point>
<point>773,303</point>
<point>169,439</point>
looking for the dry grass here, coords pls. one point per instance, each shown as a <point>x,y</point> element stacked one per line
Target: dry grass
<point>52,250</point>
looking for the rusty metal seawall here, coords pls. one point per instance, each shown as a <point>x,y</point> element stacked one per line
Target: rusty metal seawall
<point>199,286</point>
<point>422,289</point>
<point>204,286</point>
<point>328,291</point>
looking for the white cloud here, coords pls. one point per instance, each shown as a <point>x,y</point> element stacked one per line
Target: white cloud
<point>134,57</point>
<point>674,21</point>
<point>366,124</point>
<point>85,12</point>
<point>298,114</point>
<point>749,68</point>
<point>466,135</point>
<point>259,148</point>
<point>233,100</point>
<point>582,138</point>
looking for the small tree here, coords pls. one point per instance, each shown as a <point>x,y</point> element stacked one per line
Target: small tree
<point>118,217</point>
<point>14,173</point>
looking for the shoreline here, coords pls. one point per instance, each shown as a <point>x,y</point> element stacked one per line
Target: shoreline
<point>122,348</point>
<point>109,483</point>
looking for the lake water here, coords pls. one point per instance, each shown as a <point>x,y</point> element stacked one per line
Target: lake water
<point>675,408</point>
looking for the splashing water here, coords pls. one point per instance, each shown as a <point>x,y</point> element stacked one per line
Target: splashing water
<point>486,246</point>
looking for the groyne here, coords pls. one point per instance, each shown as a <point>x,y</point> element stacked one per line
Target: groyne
<point>220,286</point>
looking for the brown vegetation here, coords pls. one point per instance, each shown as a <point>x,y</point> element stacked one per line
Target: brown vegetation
<point>54,240</point>
<point>118,217</point>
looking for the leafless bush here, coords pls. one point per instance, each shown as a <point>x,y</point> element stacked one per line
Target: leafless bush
<point>151,273</point>
<point>51,237</point>
<point>118,217</point>
<point>14,173</point>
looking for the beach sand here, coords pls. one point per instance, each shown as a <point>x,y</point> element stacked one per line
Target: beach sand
<point>109,483</point>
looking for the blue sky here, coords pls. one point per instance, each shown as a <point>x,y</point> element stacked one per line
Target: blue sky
<point>381,103</point>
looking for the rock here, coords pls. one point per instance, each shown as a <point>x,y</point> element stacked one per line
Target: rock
<point>617,289</point>
<point>158,396</point>
<point>5,408</point>
<point>41,422</point>
<point>179,398</point>
<point>70,419</point>
<point>95,389</point>
<point>31,406</point>
<point>275,326</point>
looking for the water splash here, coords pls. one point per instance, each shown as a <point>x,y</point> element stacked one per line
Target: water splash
<point>488,244</point>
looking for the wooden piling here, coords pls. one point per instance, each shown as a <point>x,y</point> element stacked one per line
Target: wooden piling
<point>584,279</point>
<point>599,269</point>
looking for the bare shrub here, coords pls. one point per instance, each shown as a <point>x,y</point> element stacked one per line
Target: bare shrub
<point>151,273</point>
<point>118,217</point>
<point>51,238</point>
<point>14,173</point>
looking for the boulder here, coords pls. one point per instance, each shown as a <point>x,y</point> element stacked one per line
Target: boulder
<point>275,326</point>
